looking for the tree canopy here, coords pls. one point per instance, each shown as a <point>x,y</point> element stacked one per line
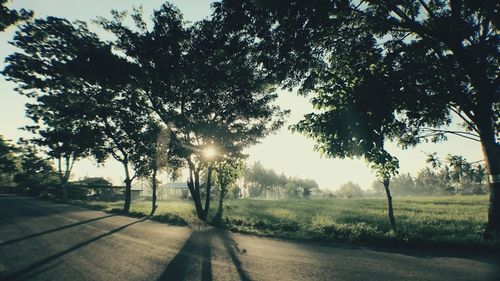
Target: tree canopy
<point>416,65</point>
<point>11,16</point>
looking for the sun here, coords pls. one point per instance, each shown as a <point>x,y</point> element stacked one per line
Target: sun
<point>209,152</point>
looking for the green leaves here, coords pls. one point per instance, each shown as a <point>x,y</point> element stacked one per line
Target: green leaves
<point>9,16</point>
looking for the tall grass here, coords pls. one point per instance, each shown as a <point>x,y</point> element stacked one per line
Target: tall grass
<point>452,220</point>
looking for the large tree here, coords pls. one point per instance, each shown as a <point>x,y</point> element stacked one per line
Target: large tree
<point>440,59</point>
<point>35,172</point>
<point>85,98</point>
<point>54,107</point>
<point>203,83</point>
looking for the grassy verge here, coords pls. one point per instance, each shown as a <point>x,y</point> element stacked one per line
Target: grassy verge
<point>455,221</point>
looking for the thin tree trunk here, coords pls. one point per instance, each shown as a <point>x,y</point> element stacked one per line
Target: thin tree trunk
<point>207,196</point>
<point>220,209</point>
<point>194,189</point>
<point>128,189</point>
<point>389,205</point>
<point>64,190</point>
<point>223,190</point>
<point>153,197</point>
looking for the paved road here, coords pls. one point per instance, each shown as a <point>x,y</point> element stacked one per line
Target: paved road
<point>40,240</point>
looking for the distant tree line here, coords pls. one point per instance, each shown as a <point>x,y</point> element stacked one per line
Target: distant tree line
<point>453,175</point>
<point>261,182</point>
<point>24,168</point>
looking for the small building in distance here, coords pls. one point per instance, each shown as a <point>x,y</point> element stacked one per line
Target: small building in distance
<point>169,191</point>
<point>100,189</point>
<point>93,182</point>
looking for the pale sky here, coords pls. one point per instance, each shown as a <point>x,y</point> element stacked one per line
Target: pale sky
<point>285,152</point>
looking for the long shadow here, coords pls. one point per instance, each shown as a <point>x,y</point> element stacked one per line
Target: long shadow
<point>51,230</point>
<point>199,246</point>
<point>199,242</point>
<point>232,248</point>
<point>34,266</point>
<point>17,208</point>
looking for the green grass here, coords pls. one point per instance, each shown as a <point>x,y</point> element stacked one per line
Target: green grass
<point>454,220</point>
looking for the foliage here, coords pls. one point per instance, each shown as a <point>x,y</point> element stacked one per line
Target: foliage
<point>350,190</point>
<point>8,162</point>
<point>35,173</point>
<point>10,16</point>
<point>202,83</point>
<point>84,94</point>
<point>380,69</point>
<point>45,74</point>
<point>455,175</point>
<point>262,182</point>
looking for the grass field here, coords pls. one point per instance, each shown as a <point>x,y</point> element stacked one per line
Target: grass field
<point>454,220</point>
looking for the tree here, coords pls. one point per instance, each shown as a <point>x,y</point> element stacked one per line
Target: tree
<point>35,172</point>
<point>350,190</point>
<point>203,84</point>
<point>227,172</point>
<point>66,138</point>
<point>56,110</point>
<point>386,167</point>
<point>297,188</point>
<point>459,174</point>
<point>260,180</point>
<point>8,162</point>
<point>403,185</point>
<point>10,16</point>
<point>157,157</point>
<point>441,59</point>
<point>78,81</point>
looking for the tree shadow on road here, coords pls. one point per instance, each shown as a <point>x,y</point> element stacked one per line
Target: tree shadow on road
<point>198,243</point>
<point>17,208</point>
<point>197,250</point>
<point>51,230</point>
<point>233,250</point>
<point>34,268</point>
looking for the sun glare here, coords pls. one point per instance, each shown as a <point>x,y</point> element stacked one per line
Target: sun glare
<point>209,152</point>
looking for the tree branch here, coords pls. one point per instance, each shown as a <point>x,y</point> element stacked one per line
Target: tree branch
<point>466,118</point>
<point>427,9</point>
<point>462,134</point>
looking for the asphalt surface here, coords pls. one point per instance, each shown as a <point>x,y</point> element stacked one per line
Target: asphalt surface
<point>40,240</point>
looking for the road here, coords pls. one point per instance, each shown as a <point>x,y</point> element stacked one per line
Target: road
<point>40,240</point>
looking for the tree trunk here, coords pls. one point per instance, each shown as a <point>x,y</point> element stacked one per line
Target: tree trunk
<point>207,195</point>
<point>220,209</point>
<point>389,205</point>
<point>128,189</point>
<point>223,190</point>
<point>62,181</point>
<point>491,152</point>
<point>194,189</point>
<point>153,197</point>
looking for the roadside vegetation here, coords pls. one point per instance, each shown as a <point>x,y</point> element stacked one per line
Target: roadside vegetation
<point>431,220</point>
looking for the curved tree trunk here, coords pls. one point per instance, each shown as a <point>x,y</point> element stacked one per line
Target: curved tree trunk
<point>128,189</point>
<point>389,205</point>
<point>154,186</point>
<point>491,152</point>
<point>207,195</point>
<point>194,190</point>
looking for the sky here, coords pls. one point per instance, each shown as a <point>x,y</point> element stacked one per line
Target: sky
<point>285,152</point>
